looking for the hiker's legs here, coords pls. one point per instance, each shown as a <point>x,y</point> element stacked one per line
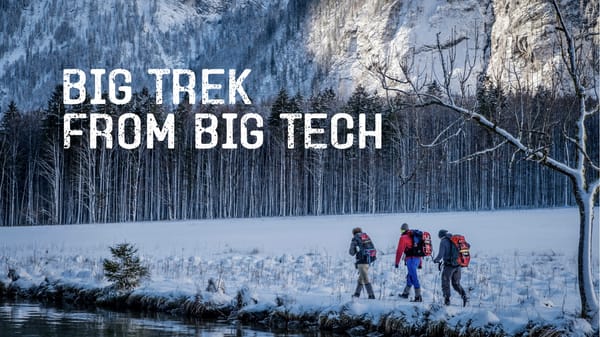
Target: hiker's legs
<point>363,273</point>
<point>446,274</point>
<point>456,282</point>
<point>412,279</point>
<point>363,280</point>
<point>456,285</point>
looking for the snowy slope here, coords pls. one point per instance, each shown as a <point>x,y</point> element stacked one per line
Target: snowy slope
<point>302,45</point>
<point>523,267</point>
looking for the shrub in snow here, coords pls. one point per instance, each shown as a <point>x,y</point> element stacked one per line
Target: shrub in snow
<point>12,274</point>
<point>215,286</point>
<point>125,269</point>
<point>245,297</point>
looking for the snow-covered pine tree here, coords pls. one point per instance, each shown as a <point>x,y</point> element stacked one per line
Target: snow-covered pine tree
<point>125,270</point>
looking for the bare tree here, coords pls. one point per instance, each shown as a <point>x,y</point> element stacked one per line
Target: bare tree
<point>529,136</point>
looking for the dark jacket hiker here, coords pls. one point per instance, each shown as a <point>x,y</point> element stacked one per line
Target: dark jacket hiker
<point>451,273</point>
<point>363,249</point>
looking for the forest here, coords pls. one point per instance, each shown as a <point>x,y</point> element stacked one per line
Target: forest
<point>41,182</point>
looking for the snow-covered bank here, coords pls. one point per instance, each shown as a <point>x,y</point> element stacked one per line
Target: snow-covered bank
<point>523,271</point>
<point>355,317</point>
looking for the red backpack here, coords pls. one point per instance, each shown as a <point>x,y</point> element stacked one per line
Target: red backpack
<point>367,248</point>
<point>421,243</point>
<point>427,250</point>
<point>460,250</point>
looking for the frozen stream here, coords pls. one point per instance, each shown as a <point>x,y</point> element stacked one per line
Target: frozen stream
<point>32,319</point>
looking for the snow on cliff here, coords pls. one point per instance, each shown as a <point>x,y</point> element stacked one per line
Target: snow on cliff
<point>302,45</point>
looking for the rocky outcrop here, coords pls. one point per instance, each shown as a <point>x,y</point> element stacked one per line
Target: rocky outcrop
<point>302,45</point>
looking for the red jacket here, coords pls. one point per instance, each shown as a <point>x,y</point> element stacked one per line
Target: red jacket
<point>404,243</point>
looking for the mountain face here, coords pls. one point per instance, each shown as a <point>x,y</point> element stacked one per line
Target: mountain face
<point>301,45</point>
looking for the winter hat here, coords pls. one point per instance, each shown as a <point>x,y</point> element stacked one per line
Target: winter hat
<point>442,233</point>
<point>356,230</point>
<point>404,227</point>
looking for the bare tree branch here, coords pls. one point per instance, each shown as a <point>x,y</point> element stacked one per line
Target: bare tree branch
<point>571,50</point>
<point>583,151</point>
<point>533,154</point>
<point>437,140</point>
<point>479,153</point>
<point>595,187</point>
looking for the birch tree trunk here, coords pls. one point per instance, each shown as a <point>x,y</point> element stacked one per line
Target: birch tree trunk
<point>587,292</point>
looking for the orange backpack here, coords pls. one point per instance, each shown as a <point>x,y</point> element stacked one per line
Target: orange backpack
<point>460,250</point>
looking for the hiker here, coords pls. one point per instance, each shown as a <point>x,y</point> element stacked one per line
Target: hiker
<point>412,262</point>
<point>358,247</point>
<point>451,271</point>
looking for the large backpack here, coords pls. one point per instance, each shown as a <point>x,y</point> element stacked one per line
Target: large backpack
<point>421,244</point>
<point>460,250</point>
<point>366,248</point>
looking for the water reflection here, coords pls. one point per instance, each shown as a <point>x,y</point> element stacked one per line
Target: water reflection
<point>23,319</point>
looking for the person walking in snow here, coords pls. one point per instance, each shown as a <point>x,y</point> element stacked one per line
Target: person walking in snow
<point>362,247</point>
<point>451,272</point>
<point>411,261</point>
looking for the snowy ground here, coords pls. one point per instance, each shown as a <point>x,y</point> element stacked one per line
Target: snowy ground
<point>523,265</point>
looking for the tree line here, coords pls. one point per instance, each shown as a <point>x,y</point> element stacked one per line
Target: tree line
<point>43,183</point>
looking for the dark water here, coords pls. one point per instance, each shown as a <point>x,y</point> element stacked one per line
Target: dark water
<point>31,319</point>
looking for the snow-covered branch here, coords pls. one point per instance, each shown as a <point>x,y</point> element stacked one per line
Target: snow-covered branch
<point>534,154</point>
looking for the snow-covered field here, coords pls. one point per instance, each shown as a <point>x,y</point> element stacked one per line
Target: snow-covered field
<point>523,265</point>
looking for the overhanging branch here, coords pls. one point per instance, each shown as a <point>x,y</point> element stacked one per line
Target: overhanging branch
<point>534,154</point>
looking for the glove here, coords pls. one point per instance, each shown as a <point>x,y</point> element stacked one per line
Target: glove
<point>439,266</point>
<point>396,265</point>
<point>420,267</point>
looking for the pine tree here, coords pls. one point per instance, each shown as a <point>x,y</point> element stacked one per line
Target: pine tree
<point>11,162</point>
<point>490,99</point>
<point>279,106</point>
<point>125,270</point>
<point>10,119</point>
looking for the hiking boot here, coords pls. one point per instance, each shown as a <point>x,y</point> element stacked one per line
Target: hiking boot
<point>418,297</point>
<point>405,292</point>
<point>369,288</point>
<point>465,300</point>
<point>359,287</point>
<point>446,300</point>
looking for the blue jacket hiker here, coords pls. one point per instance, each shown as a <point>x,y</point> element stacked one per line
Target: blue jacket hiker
<point>451,273</point>
<point>357,248</point>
